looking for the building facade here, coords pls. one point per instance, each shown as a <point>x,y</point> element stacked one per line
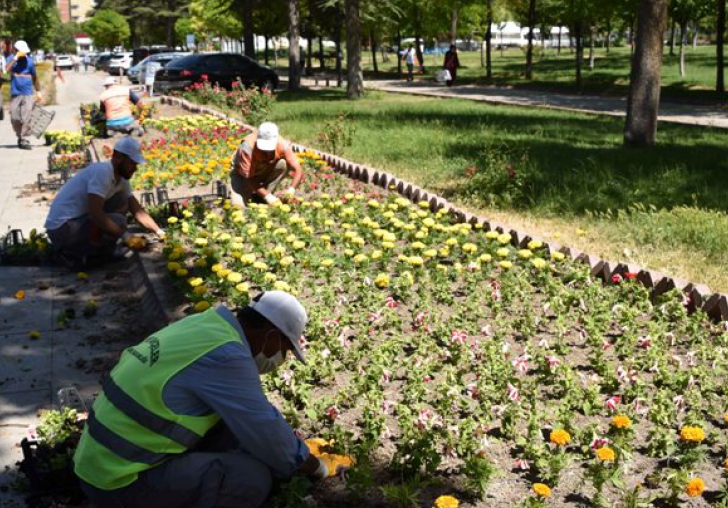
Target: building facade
<point>74,10</point>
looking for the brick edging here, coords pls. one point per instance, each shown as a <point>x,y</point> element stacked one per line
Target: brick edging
<point>715,305</point>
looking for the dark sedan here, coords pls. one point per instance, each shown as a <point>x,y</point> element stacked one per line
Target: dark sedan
<point>221,68</point>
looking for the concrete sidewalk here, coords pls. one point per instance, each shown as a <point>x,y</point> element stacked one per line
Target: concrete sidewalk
<point>20,168</point>
<point>686,114</point>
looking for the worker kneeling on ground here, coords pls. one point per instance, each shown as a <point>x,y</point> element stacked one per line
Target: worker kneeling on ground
<point>260,164</point>
<point>88,216</point>
<point>116,104</point>
<point>183,420</point>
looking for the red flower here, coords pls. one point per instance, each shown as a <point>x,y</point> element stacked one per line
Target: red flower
<point>205,77</point>
<point>630,276</point>
<point>616,278</point>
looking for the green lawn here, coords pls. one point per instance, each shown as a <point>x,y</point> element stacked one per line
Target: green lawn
<point>552,171</point>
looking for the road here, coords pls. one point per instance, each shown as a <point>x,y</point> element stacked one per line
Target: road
<point>21,167</point>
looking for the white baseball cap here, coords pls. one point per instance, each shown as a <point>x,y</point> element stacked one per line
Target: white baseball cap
<point>286,313</point>
<point>267,137</point>
<point>110,81</point>
<point>22,46</point>
<point>130,147</point>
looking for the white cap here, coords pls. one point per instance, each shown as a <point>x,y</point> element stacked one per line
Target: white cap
<point>267,137</point>
<point>110,81</point>
<point>130,147</point>
<point>22,46</point>
<point>286,313</point>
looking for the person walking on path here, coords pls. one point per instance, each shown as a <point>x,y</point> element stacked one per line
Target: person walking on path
<point>183,420</point>
<point>5,47</point>
<point>88,216</point>
<point>23,79</point>
<point>410,58</point>
<point>451,64</point>
<point>115,102</point>
<point>259,165</point>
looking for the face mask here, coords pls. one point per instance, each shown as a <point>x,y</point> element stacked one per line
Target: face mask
<point>266,364</point>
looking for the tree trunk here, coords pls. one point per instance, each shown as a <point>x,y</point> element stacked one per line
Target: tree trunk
<point>309,53</point>
<point>608,42</point>
<point>683,43</point>
<point>632,35</point>
<point>529,51</point>
<point>454,25</point>
<point>322,56</point>
<point>399,56</point>
<point>644,91</point>
<point>294,20</point>
<point>266,50</point>
<point>695,36</point>
<point>337,41</point>
<point>489,40</point>
<point>418,39</point>
<point>355,83</point>
<point>579,38</point>
<point>558,49</point>
<point>374,52</point>
<point>672,38</point>
<point>169,22</point>
<point>720,40</point>
<point>592,34</point>
<point>248,37</point>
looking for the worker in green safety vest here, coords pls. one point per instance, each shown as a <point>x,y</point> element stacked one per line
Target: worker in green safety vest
<point>183,420</point>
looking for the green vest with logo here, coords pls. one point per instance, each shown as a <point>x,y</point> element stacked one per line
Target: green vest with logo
<point>130,429</point>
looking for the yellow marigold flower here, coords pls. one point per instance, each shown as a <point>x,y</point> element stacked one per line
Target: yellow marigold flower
<point>470,248</point>
<point>560,437</point>
<point>503,252</point>
<point>504,239</point>
<point>605,454</point>
<point>505,265</point>
<point>535,244</point>
<point>195,281</point>
<point>557,256</point>
<point>202,306</point>
<point>525,253</point>
<point>172,220</point>
<point>621,422</point>
<point>382,280</point>
<point>182,272</point>
<point>216,267</point>
<point>539,263</point>
<point>235,277</point>
<point>692,434</point>
<point>270,277</point>
<point>541,490</point>
<point>415,261</point>
<point>242,287</point>
<point>200,290</point>
<point>485,258</point>
<point>492,235</point>
<point>281,286</point>
<point>446,502</point>
<point>326,263</point>
<point>695,487</point>
<point>35,335</point>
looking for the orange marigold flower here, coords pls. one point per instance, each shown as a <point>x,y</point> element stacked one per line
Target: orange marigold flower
<point>541,490</point>
<point>446,502</point>
<point>726,464</point>
<point>20,295</point>
<point>560,437</point>
<point>695,487</point>
<point>621,422</point>
<point>725,417</point>
<point>605,454</point>
<point>692,434</point>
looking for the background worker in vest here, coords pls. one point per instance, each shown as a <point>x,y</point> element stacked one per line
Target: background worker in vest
<point>23,79</point>
<point>260,164</point>
<point>116,104</point>
<point>183,420</point>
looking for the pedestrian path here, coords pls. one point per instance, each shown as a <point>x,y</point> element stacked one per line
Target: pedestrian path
<point>706,116</point>
<point>20,168</point>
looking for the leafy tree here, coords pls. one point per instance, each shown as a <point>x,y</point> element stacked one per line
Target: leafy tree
<point>108,29</point>
<point>684,12</point>
<point>34,21</point>
<point>64,38</point>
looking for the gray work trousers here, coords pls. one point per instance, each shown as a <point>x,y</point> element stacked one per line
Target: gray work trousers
<point>243,190</point>
<point>80,237</point>
<point>219,475</point>
<point>20,108</point>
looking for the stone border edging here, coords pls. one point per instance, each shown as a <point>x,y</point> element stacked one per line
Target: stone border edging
<point>715,305</point>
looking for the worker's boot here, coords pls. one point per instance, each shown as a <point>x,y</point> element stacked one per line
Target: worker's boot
<point>24,144</point>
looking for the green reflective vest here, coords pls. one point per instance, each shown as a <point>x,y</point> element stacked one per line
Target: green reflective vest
<point>130,429</point>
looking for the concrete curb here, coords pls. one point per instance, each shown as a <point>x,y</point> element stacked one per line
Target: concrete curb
<point>699,296</point>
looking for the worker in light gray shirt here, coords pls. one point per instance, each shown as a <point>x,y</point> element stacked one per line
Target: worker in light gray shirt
<point>183,420</point>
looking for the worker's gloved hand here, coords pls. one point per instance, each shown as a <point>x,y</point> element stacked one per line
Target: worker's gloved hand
<point>271,199</point>
<point>322,472</point>
<point>329,463</point>
<point>161,234</point>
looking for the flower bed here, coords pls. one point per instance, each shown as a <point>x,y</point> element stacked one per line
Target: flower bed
<point>253,104</point>
<point>193,150</point>
<point>437,349</point>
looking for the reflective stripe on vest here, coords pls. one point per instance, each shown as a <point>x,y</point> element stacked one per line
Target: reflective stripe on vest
<point>130,428</point>
<point>146,418</point>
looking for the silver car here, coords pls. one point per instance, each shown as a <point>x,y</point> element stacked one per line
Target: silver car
<point>159,58</point>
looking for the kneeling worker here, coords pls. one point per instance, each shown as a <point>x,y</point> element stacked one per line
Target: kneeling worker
<point>260,164</point>
<point>88,215</point>
<point>183,420</point>
<point>116,104</point>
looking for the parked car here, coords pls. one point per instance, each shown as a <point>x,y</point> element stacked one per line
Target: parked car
<point>140,54</point>
<point>64,62</point>
<point>221,68</point>
<point>119,63</point>
<point>102,62</point>
<point>133,72</point>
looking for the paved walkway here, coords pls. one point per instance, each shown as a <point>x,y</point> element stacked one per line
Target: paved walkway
<point>20,168</point>
<point>706,116</point>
